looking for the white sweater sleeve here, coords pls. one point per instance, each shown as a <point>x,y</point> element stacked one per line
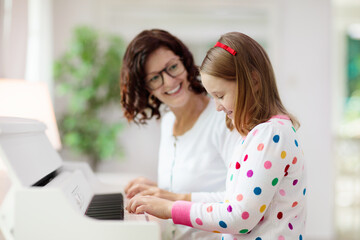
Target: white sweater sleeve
<point>207,197</point>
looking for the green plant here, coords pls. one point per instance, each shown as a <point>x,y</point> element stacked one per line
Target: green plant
<point>87,78</point>
<point>352,104</point>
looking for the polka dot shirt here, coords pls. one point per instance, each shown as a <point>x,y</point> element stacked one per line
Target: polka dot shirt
<point>265,189</point>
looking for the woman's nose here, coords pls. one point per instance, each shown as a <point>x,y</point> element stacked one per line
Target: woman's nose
<point>167,78</point>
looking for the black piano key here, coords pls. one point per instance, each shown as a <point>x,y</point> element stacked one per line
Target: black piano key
<point>106,207</point>
<point>102,212</point>
<point>93,208</point>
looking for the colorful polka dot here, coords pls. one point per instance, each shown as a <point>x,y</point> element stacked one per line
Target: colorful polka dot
<point>258,238</point>
<point>281,238</point>
<point>231,177</point>
<point>198,221</point>
<point>215,231</point>
<point>283,154</point>
<point>300,237</point>
<point>250,173</point>
<point>255,132</point>
<point>239,197</point>
<point>243,231</point>
<point>295,182</point>
<point>276,138</point>
<point>304,191</point>
<point>296,143</point>
<point>245,158</point>
<point>209,208</point>
<point>294,161</point>
<point>294,204</point>
<point>260,147</point>
<point>282,192</point>
<point>279,215</point>
<point>245,215</point>
<point>281,122</point>
<point>229,208</point>
<point>257,191</point>
<point>293,129</point>
<point>275,181</point>
<point>290,226</point>
<point>262,219</point>
<point>262,208</point>
<point>267,164</point>
<point>222,224</point>
<point>237,165</point>
<point>286,169</point>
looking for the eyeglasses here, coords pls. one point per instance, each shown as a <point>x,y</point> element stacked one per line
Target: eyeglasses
<point>174,68</point>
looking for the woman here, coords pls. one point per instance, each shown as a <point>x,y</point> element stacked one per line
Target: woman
<point>158,69</point>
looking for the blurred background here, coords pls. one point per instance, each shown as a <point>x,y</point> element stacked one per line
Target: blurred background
<point>75,48</point>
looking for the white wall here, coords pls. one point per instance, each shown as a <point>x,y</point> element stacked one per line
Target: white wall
<point>297,35</point>
<point>305,84</point>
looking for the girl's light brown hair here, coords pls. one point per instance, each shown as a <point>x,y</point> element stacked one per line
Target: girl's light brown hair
<point>257,98</point>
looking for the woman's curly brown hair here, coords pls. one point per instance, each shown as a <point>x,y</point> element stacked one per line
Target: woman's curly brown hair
<point>135,97</point>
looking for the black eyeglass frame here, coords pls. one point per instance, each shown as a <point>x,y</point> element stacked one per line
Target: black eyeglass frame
<point>165,70</point>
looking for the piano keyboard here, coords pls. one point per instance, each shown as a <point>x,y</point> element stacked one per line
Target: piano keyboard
<point>106,207</point>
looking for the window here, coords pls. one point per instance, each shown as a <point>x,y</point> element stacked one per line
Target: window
<point>347,185</point>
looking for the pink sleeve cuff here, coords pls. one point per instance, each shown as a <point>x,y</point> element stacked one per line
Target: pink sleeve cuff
<point>180,213</point>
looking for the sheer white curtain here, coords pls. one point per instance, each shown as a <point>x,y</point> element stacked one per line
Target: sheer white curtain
<point>39,42</point>
<point>13,37</point>
<point>26,40</point>
<point>5,23</point>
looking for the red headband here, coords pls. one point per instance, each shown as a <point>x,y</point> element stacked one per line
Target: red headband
<point>227,48</point>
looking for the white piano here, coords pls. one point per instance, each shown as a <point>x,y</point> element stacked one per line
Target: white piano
<point>51,199</point>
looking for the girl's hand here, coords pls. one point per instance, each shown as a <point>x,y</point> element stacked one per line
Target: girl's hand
<point>158,207</point>
<point>139,180</point>
<point>146,190</point>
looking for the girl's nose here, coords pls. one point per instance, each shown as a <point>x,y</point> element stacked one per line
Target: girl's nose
<point>219,107</point>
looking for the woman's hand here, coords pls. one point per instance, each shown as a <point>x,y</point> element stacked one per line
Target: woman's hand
<point>146,190</point>
<point>157,207</point>
<point>139,180</point>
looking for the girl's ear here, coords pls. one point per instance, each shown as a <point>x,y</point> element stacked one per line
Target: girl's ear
<point>255,77</point>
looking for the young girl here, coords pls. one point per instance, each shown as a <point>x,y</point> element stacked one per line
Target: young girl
<point>265,187</point>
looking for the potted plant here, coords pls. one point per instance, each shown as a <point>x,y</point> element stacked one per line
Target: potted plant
<point>87,79</point>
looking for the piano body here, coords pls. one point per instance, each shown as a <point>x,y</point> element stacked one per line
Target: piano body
<point>51,199</point>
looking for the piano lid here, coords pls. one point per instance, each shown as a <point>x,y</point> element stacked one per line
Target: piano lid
<point>26,150</point>
<point>11,125</point>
